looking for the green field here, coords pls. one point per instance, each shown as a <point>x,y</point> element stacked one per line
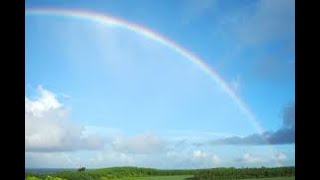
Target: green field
<point>175,177</point>
<point>275,178</point>
<point>139,173</point>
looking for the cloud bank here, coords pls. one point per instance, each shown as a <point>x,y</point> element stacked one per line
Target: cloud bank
<point>284,135</point>
<point>55,140</point>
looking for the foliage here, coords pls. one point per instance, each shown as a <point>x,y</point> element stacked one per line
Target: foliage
<point>276,178</point>
<point>82,169</point>
<point>131,172</point>
<point>46,178</point>
<point>233,173</point>
<point>32,178</point>
<point>175,177</point>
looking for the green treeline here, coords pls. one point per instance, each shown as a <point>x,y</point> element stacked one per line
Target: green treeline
<point>203,174</point>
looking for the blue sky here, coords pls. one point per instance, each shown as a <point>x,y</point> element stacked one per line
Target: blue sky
<point>100,96</point>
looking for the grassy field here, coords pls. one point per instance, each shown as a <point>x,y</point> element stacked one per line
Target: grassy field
<point>139,173</point>
<point>275,178</point>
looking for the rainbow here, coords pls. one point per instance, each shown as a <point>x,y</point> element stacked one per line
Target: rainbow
<point>145,32</point>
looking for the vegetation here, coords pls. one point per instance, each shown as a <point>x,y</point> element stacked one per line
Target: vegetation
<point>82,169</point>
<point>136,173</point>
<point>188,177</point>
<point>276,178</point>
<point>174,177</point>
<point>46,178</point>
<point>234,173</point>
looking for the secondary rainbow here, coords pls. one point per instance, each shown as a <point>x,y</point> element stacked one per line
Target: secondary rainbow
<point>116,22</point>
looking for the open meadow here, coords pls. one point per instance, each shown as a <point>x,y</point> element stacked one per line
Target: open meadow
<point>137,173</point>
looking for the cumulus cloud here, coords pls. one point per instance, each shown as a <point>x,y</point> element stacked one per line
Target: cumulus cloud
<point>112,158</point>
<point>52,138</point>
<point>45,103</point>
<point>48,127</point>
<point>200,159</point>
<point>199,154</point>
<point>284,135</point>
<point>280,156</point>
<point>140,144</point>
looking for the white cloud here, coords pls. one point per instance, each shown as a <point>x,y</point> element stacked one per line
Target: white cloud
<point>51,160</point>
<point>199,154</point>
<point>249,158</point>
<point>140,144</point>
<point>48,127</point>
<point>46,102</point>
<point>203,159</point>
<point>280,156</point>
<point>112,158</point>
<point>216,159</point>
<point>51,135</point>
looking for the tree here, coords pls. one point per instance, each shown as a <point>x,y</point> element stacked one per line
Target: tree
<point>82,169</point>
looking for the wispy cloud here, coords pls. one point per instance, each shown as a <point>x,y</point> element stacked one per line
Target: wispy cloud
<point>141,144</point>
<point>263,22</point>
<point>284,135</point>
<point>193,9</point>
<point>274,67</point>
